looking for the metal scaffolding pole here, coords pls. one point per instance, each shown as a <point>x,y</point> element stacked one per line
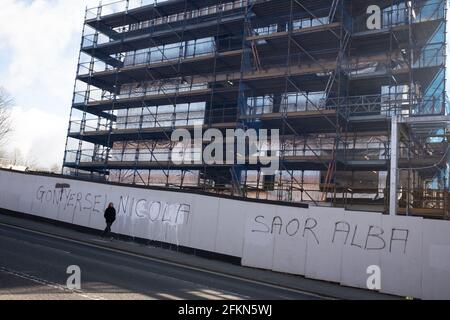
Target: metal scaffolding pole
<point>393,201</point>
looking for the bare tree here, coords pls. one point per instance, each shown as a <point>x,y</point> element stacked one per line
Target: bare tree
<point>5,115</point>
<point>17,158</point>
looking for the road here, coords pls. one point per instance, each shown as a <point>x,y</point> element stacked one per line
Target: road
<point>34,267</point>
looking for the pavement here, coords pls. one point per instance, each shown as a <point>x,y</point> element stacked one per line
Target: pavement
<point>35,256</point>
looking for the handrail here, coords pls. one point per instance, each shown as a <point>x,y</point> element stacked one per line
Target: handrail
<point>165,53</point>
<point>138,91</point>
<point>124,6</point>
<point>176,118</point>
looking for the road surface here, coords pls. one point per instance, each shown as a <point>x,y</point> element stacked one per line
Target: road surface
<point>34,267</point>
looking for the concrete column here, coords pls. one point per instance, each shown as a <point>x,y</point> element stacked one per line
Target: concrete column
<point>393,201</point>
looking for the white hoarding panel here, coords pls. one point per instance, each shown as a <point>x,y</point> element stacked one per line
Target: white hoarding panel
<point>204,223</point>
<point>436,260</point>
<point>360,234</point>
<point>401,268</point>
<point>324,251</point>
<point>231,226</point>
<point>261,226</point>
<point>290,239</point>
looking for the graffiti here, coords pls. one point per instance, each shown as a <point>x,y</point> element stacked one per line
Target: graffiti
<point>367,238</point>
<point>172,214</point>
<point>291,228</point>
<point>68,199</point>
<point>319,243</point>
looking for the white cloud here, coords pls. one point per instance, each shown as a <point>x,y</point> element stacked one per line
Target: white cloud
<point>40,41</point>
<point>39,136</point>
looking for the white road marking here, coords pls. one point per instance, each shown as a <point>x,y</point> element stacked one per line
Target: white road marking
<point>175,264</point>
<point>169,296</point>
<point>50,284</point>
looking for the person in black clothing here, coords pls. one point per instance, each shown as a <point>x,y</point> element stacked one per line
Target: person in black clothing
<point>110,217</point>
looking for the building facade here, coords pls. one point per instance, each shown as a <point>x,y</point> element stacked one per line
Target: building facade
<point>335,77</point>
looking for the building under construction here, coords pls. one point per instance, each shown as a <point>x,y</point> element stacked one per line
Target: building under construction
<point>356,88</point>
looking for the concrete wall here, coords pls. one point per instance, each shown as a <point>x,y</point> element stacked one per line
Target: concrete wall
<point>318,243</point>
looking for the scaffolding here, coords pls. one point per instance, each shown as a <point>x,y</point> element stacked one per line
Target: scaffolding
<point>311,68</point>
